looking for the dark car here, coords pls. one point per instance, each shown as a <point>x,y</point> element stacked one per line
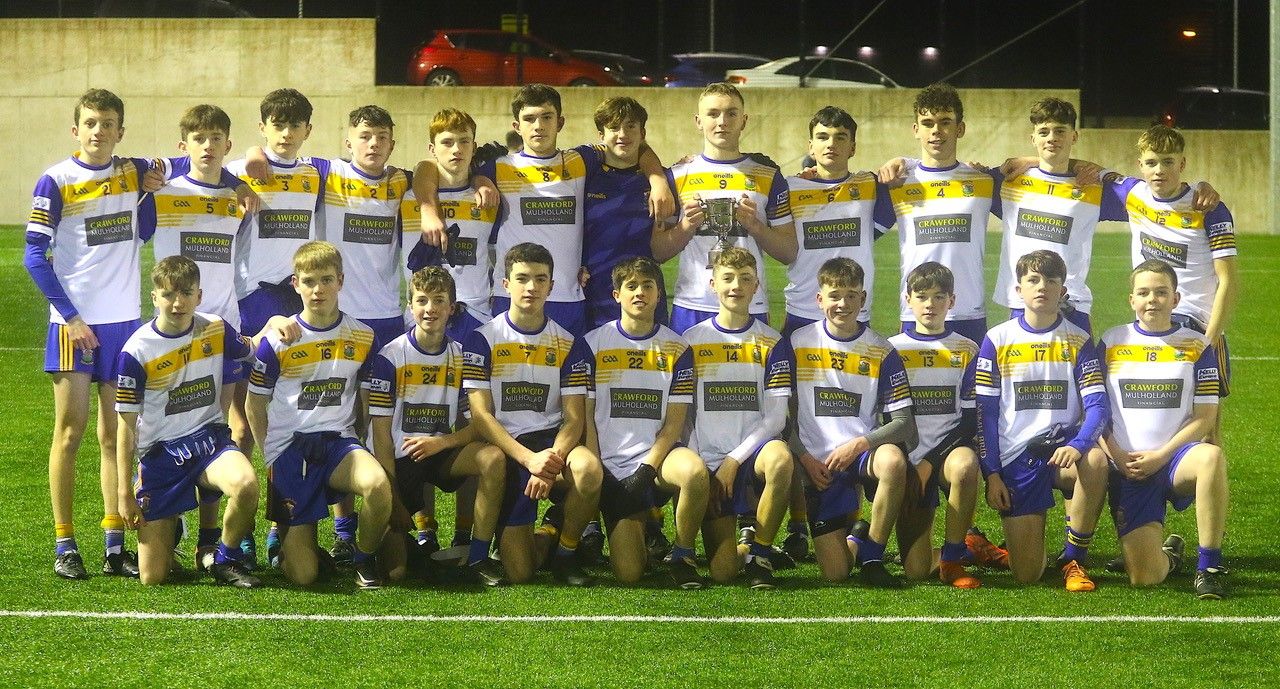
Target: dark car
<point>1216,107</point>
<point>482,57</point>
<point>700,69</point>
<point>631,71</point>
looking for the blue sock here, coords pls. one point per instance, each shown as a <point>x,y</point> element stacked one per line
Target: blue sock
<point>870,551</point>
<point>1209,558</point>
<point>479,551</point>
<point>345,527</point>
<point>359,556</point>
<point>862,547</point>
<point>273,537</point>
<point>562,551</point>
<point>679,552</point>
<point>64,545</point>
<point>953,552</point>
<point>226,553</point>
<point>758,549</point>
<point>1077,547</point>
<point>207,538</point>
<point>115,540</point>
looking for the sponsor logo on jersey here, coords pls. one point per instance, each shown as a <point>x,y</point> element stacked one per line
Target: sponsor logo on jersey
<point>109,229</point>
<point>832,234</point>
<point>42,203</point>
<point>933,400</point>
<point>1164,393</point>
<point>427,419</point>
<point>368,229</point>
<point>196,394</point>
<point>1173,253</point>
<point>548,210</point>
<point>284,224</point>
<point>635,403</point>
<point>206,247</point>
<point>829,401</point>
<point>942,229</point>
<point>524,396</point>
<point>1046,227</point>
<point>1040,394</point>
<point>730,395</point>
<point>326,392</point>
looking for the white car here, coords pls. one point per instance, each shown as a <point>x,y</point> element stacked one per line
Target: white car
<point>835,72</point>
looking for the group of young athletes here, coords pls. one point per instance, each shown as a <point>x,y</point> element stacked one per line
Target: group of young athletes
<point>537,359</point>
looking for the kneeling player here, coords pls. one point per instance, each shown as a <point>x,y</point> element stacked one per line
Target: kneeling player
<point>1043,407</point>
<point>939,364</point>
<point>414,401</point>
<point>744,379</point>
<point>1163,385</point>
<point>846,378</point>
<point>308,432</point>
<point>169,401</point>
<point>636,411</point>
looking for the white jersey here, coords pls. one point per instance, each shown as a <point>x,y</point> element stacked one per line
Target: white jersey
<point>286,220</point>
<point>89,215</point>
<point>1044,210</point>
<point>174,382</point>
<point>314,383</point>
<point>1041,377</point>
<point>942,216</point>
<point>527,373</point>
<point>733,370</point>
<point>1154,380</point>
<point>421,391</point>
<point>361,216</point>
<point>202,222</point>
<point>843,386</point>
<point>1187,239</point>
<point>542,202</point>
<point>635,379</point>
<point>834,219</point>
<point>725,179</point>
<point>472,261</point>
<point>940,368</point>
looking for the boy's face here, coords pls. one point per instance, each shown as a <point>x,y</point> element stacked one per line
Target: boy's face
<point>721,119</point>
<point>831,147</point>
<point>176,304</point>
<point>841,304</point>
<point>1041,294</point>
<point>623,141</point>
<point>735,287</point>
<point>431,310</point>
<point>453,150</point>
<point>538,126</point>
<point>370,146</point>
<point>1162,171</point>
<point>938,133</point>
<point>930,306</point>
<point>98,132</point>
<point>528,285</point>
<point>638,297</point>
<point>1053,141</point>
<point>284,139</point>
<point>1153,298</point>
<point>206,148</point>
<point>318,288</point>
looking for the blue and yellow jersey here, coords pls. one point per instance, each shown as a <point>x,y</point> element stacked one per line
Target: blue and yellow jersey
<point>421,391</point>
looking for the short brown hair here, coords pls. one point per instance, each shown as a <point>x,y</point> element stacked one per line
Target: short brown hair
<point>371,115</point>
<point>317,255</point>
<point>101,100</point>
<point>720,88</point>
<point>638,266</point>
<point>531,95</point>
<point>1154,265</point>
<point>527,252</point>
<point>1162,140</point>
<point>841,272</point>
<point>929,275</point>
<point>832,116</point>
<point>1053,110</point>
<point>735,258</point>
<point>451,120</point>
<point>937,98</point>
<point>175,272</point>
<point>433,279</point>
<point>1047,263</point>
<point>285,105</point>
<point>613,112</point>
<point>204,118</point>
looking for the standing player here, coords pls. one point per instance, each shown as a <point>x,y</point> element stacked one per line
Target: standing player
<point>726,199</point>
<point>847,378</point>
<point>302,406</point>
<point>636,411</point>
<point>526,377</point>
<point>1042,408</point>
<point>940,366</point>
<point>1163,383</point>
<point>744,379</point>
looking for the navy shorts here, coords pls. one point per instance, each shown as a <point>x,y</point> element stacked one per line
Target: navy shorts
<point>461,324</point>
<point>570,315</point>
<point>412,476</point>
<point>830,509</point>
<point>385,330</point>
<point>1138,503</point>
<point>60,356</point>
<point>745,484</point>
<point>975,329</point>
<point>168,474</point>
<point>519,509</point>
<point>298,490</point>
<point>1075,316</point>
<point>618,503</point>
<point>258,307</point>
<point>682,319</point>
<point>1030,480</point>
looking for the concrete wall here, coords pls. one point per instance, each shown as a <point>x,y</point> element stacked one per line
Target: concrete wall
<point>161,67</point>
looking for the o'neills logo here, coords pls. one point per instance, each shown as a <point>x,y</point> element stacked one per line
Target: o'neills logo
<point>1039,394</point>
<point>284,224</point>
<point>197,394</point>
<point>831,234</point>
<point>933,400</point>
<point>109,229</point>
<point>1163,393</point>
<point>730,395</point>
<point>1173,253</point>
<point>525,396</point>
<point>206,247</point>
<point>836,402</point>
<point>548,210</point>
<point>368,229</point>
<point>326,392</point>
<point>635,403</point>
<point>428,419</point>
<point>940,229</point>
<point>1048,227</point>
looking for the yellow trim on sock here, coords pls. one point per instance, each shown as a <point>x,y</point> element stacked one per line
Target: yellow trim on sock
<point>655,513</point>
<point>420,521</point>
<point>569,541</point>
<point>64,530</point>
<point>113,522</point>
<point>547,530</point>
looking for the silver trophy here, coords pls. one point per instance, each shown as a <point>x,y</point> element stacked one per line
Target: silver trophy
<point>718,217</point>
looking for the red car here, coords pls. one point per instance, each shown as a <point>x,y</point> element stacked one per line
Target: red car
<point>482,57</point>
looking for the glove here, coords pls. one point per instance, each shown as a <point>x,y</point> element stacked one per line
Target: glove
<point>641,482</point>
<point>486,153</point>
<point>763,160</point>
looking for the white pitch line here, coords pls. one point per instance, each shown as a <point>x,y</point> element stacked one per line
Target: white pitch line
<point>639,619</point>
